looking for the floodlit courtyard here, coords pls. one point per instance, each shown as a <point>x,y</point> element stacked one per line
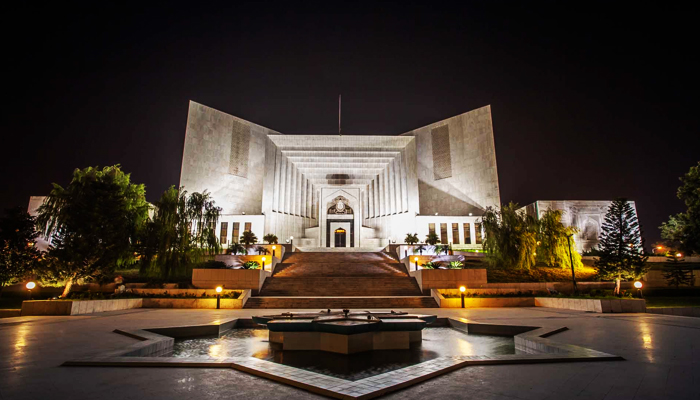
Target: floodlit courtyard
<point>661,359</point>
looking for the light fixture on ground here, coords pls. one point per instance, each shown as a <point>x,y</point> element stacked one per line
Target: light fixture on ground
<point>219,289</point>
<point>263,263</point>
<point>273,250</point>
<point>639,285</point>
<point>416,261</point>
<point>462,289</point>
<point>30,286</point>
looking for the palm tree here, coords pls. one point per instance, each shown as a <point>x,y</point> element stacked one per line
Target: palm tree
<point>270,238</point>
<point>248,238</point>
<point>419,249</point>
<point>432,239</point>
<point>442,249</point>
<point>411,239</point>
<point>262,250</point>
<point>236,248</point>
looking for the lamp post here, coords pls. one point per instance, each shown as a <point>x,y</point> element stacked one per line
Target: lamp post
<point>462,289</point>
<point>273,250</point>
<point>30,286</point>
<point>218,297</point>
<point>291,240</point>
<point>415,259</point>
<point>571,258</point>
<point>263,261</point>
<point>639,285</point>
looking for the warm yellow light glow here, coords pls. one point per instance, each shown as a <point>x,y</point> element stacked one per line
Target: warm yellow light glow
<point>274,247</point>
<point>534,254</point>
<point>679,255</point>
<point>638,285</point>
<point>219,289</point>
<point>31,285</point>
<point>263,259</point>
<point>462,289</point>
<point>291,237</point>
<point>660,247</point>
<point>539,243</point>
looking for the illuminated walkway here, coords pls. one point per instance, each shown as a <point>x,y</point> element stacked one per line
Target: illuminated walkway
<point>662,360</point>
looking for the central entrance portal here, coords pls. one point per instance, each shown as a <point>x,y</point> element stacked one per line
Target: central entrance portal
<point>340,237</point>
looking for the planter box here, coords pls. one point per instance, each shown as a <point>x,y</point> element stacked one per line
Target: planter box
<point>77,307</point>
<point>482,302</point>
<point>229,278</point>
<point>449,278</point>
<point>193,303</point>
<point>593,305</point>
<point>8,313</point>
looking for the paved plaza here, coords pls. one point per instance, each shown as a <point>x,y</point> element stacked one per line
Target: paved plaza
<point>662,360</point>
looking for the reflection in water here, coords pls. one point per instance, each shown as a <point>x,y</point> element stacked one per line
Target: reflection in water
<point>437,342</point>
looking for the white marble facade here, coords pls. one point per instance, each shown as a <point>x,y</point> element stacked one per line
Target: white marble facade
<point>286,184</point>
<point>585,215</point>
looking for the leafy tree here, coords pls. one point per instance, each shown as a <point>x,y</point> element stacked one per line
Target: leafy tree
<point>248,238</point>
<point>552,246</point>
<point>432,239</point>
<point>237,248</point>
<point>674,272</point>
<point>270,238</point>
<point>511,237</point>
<point>251,265</point>
<point>420,249</point>
<point>18,253</point>
<point>683,230</point>
<point>411,239</point>
<point>93,222</point>
<point>621,245</point>
<point>262,250</point>
<point>181,233</point>
<point>456,265</point>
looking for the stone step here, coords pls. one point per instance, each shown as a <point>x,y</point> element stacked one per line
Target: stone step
<point>287,269</point>
<point>337,257</point>
<point>353,303</point>
<point>340,286</point>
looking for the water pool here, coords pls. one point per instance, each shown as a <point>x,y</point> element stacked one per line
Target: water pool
<point>437,342</point>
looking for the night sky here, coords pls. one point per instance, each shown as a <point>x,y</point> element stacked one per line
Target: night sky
<point>589,102</point>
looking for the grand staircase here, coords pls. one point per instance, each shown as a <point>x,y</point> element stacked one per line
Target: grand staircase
<point>321,280</point>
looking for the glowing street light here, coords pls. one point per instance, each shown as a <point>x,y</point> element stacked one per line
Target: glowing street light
<point>679,255</point>
<point>273,250</point>
<point>638,285</point>
<point>291,240</point>
<point>263,261</point>
<point>415,259</point>
<point>30,285</point>
<point>462,289</point>
<point>219,289</point>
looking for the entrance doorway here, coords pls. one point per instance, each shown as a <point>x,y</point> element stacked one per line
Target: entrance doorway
<point>340,237</point>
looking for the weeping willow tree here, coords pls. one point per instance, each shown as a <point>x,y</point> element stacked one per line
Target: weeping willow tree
<point>181,233</point>
<point>510,237</point>
<point>553,248</point>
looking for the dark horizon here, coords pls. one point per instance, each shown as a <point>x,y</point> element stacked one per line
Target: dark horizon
<point>589,102</point>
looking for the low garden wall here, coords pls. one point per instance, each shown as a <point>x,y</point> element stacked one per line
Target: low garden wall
<point>237,261</point>
<point>449,278</point>
<point>481,302</point>
<point>77,307</point>
<point>8,313</point>
<point>680,311</point>
<point>209,303</point>
<point>229,278</point>
<point>593,305</point>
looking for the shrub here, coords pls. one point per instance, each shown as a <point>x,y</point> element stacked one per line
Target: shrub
<point>251,265</point>
<point>431,265</point>
<point>456,265</point>
<point>210,264</point>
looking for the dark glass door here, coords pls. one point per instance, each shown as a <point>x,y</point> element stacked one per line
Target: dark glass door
<point>340,237</point>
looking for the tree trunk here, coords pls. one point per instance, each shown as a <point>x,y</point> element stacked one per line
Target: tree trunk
<point>617,286</point>
<point>69,285</point>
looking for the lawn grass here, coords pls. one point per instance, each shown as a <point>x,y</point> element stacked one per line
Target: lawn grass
<point>11,302</point>
<point>655,302</point>
<point>538,274</point>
